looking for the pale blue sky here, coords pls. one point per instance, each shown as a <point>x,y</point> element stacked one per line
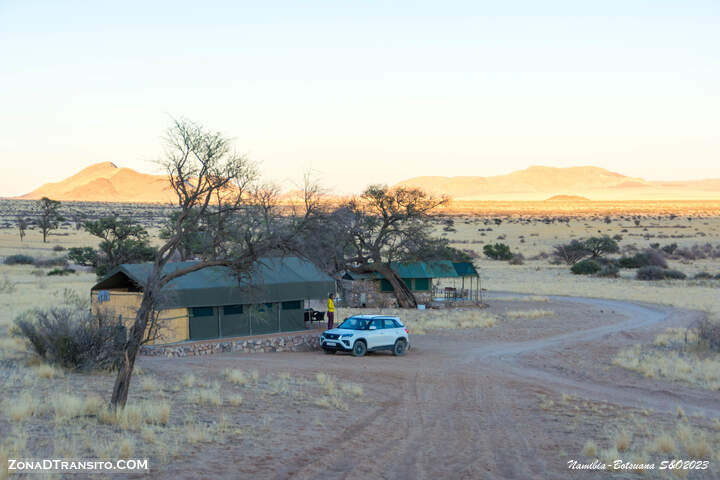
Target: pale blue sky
<point>364,91</point>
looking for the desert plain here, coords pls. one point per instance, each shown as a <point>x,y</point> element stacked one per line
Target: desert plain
<point>556,368</point>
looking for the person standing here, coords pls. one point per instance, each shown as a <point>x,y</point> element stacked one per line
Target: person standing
<point>331,312</point>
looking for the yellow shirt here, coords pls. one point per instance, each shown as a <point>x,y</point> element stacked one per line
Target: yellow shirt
<point>331,305</point>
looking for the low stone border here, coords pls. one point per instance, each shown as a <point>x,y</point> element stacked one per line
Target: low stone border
<point>277,343</point>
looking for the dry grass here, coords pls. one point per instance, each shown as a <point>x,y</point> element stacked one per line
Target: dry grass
<point>189,380</point>
<point>150,384</point>
<point>420,322</point>
<point>237,377</point>
<point>513,314</point>
<point>669,357</point>
<point>46,371</point>
<point>66,407</point>
<point>206,396</point>
<point>590,449</point>
<point>21,408</point>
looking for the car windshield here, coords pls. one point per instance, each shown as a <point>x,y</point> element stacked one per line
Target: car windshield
<point>355,323</point>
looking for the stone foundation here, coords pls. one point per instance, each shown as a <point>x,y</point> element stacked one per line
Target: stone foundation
<point>297,342</point>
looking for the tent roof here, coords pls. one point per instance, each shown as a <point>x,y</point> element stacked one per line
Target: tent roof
<point>433,269</point>
<point>272,280</point>
<point>465,269</point>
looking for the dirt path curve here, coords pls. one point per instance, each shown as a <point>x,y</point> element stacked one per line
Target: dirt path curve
<point>462,410</point>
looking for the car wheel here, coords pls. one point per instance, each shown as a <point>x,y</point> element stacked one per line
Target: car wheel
<point>329,352</point>
<point>359,349</point>
<point>399,348</point>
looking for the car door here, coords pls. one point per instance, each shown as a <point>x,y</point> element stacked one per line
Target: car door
<point>392,331</point>
<point>374,335</point>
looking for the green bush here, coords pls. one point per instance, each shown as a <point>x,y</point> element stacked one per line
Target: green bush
<point>60,272</point>
<point>609,269</point>
<point>703,276</point>
<point>73,338</point>
<point>86,256</point>
<point>499,251</point>
<point>586,267</point>
<point>19,260</point>
<point>653,272</point>
<point>643,259</point>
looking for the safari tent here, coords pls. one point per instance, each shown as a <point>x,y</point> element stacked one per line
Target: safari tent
<point>215,303</point>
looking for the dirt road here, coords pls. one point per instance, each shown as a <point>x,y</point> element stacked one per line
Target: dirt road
<point>455,407</point>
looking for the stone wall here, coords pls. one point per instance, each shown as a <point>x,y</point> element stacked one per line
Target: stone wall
<point>303,342</point>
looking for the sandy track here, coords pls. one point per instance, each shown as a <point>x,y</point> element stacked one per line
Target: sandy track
<point>467,409</point>
<point>462,411</point>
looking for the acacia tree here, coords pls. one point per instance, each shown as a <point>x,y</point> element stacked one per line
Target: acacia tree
<point>218,189</point>
<point>49,216</point>
<point>122,241</point>
<point>384,225</point>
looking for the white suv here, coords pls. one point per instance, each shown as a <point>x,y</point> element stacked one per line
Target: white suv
<point>366,333</point>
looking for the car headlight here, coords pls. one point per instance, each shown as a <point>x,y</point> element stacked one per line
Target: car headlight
<point>346,335</point>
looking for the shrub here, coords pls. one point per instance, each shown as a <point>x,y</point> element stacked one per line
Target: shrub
<point>85,256</point>
<point>599,246</point>
<point>643,259</point>
<point>586,267</point>
<point>670,248</point>
<point>19,260</point>
<point>703,276</point>
<point>570,253</point>
<point>609,270</point>
<point>58,248</point>
<point>517,259</point>
<point>499,251</point>
<point>50,262</point>
<point>60,271</point>
<point>653,272</point>
<point>73,338</point>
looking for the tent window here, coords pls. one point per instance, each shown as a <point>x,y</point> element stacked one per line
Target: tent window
<point>232,310</point>
<point>293,305</point>
<point>422,284</point>
<point>202,311</point>
<point>385,286</point>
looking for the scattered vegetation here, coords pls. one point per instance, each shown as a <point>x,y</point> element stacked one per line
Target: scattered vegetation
<point>498,251</point>
<point>73,339</point>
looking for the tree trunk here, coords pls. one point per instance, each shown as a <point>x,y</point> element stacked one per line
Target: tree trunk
<point>132,346</point>
<point>404,296</point>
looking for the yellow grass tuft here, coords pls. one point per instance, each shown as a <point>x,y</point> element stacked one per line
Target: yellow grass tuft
<point>150,384</point>
<point>157,412</point>
<point>21,408</point>
<point>67,407</point>
<point>622,440</point>
<point>197,433</point>
<point>189,380</point>
<point>590,449</point>
<point>48,371</point>
<point>235,400</point>
<point>206,396</point>
<point>237,377</point>
<point>663,443</point>
<point>513,314</point>
<point>148,435</point>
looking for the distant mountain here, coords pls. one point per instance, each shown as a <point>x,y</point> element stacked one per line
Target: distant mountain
<point>539,183</point>
<point>105,182</point>
<point>567,198</point>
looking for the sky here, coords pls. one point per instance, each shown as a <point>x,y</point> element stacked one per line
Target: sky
<point>363,92</point>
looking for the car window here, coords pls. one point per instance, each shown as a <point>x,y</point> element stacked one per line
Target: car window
<point>377,323</point>
<point>390,323</point>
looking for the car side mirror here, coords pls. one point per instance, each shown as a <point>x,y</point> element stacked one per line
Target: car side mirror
<point>372,327</point>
